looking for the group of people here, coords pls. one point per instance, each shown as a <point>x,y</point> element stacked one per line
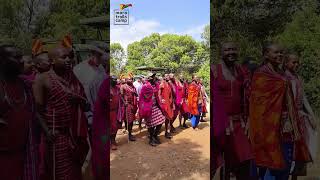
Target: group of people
<point>47,126</point>
<point>57,117</point>
<point>155,100</point>
<point>263,124</point>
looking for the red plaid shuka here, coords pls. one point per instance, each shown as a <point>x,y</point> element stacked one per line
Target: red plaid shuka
<point>60,114</point>
<point>128,93</point>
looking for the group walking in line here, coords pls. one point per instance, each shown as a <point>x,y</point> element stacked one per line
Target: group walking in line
<point>155,100</point>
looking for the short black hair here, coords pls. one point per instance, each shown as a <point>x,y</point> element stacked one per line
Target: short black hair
<point>3,51</point>
<point>227,42</point>
<point>266,47</point>
<point>36,57</point>
<point>287,56</point>
<point>42,52</point>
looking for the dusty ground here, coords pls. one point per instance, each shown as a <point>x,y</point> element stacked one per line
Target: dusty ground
<point>313,170</point>
<point>185,157</point>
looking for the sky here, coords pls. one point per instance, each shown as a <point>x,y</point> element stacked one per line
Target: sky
<point>184,17</point>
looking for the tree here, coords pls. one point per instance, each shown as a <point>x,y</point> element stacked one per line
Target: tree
<point>293,23</point>
<point>178,54</point>
<point>206,36</point>
<point>174,52</point>
<point>249,22</point>
<point>23,20</point>
<point>204,73</point>
<point>301,37</point>
<point>117,60</point>
<point>13,30</point>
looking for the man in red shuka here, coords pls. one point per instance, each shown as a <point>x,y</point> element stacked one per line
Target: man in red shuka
<point>61,102</point>
<point>18,150</point>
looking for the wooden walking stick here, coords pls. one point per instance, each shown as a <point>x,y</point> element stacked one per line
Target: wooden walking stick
<point>127,122</point>
<point>54,149</point>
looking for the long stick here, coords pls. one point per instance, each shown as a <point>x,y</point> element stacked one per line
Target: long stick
<point>127,122</point>
<point>54,149</point>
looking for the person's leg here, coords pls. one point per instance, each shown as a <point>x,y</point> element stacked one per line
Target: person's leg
<point>185,117</point>
<point>125,125</point>
<point>140,123</point>
<point>244,172</point>
<point>113,142</point>
<point>151,138</point>
<point>222,173</point>
<point>213,173</point>
<point>112,139</point>
<point>193,121</point>
<point>131,137</point>
<point>172,129</point>
<point>288,158</point>
<point>167,133</point>
<point>119,125</point>
<point>90,134</point>
<point>284,174</point>
<point>180,120</point>
<point>200,113</point>
<point>203,115</point>
<point>156,133</point>
<point>262,172</point>
<point>225,172</point>
<point>166,125</point>
<point>196,120</point>
<point>300,169</point>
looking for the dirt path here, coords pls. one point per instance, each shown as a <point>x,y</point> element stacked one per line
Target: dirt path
<point>313,169</point>
<point>185,157</point>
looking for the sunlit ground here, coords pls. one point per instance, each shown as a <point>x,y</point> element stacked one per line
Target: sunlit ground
<point>186,156</point>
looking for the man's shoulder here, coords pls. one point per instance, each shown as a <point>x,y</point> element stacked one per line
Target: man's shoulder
<point>42,76</point>
<point>42,80</point>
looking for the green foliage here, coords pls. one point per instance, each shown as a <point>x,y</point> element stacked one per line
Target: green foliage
<point>174,52</point>
<point>204,73</point>
<point>206,36</point>
<point>293,23</point>
<point>301,36</point>
<point>23,20</point>
<point>178,54</point>
<point>117,55</point>
<point>10,23</point>
<point>248,22</point>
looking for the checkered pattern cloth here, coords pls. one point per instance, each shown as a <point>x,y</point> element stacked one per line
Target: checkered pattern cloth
<point>157,117</point>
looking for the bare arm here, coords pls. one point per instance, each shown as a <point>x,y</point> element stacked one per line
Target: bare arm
<point>2,120</point>
<point>122,95</point>
<point>40,87</point>
<point>159,93</point>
